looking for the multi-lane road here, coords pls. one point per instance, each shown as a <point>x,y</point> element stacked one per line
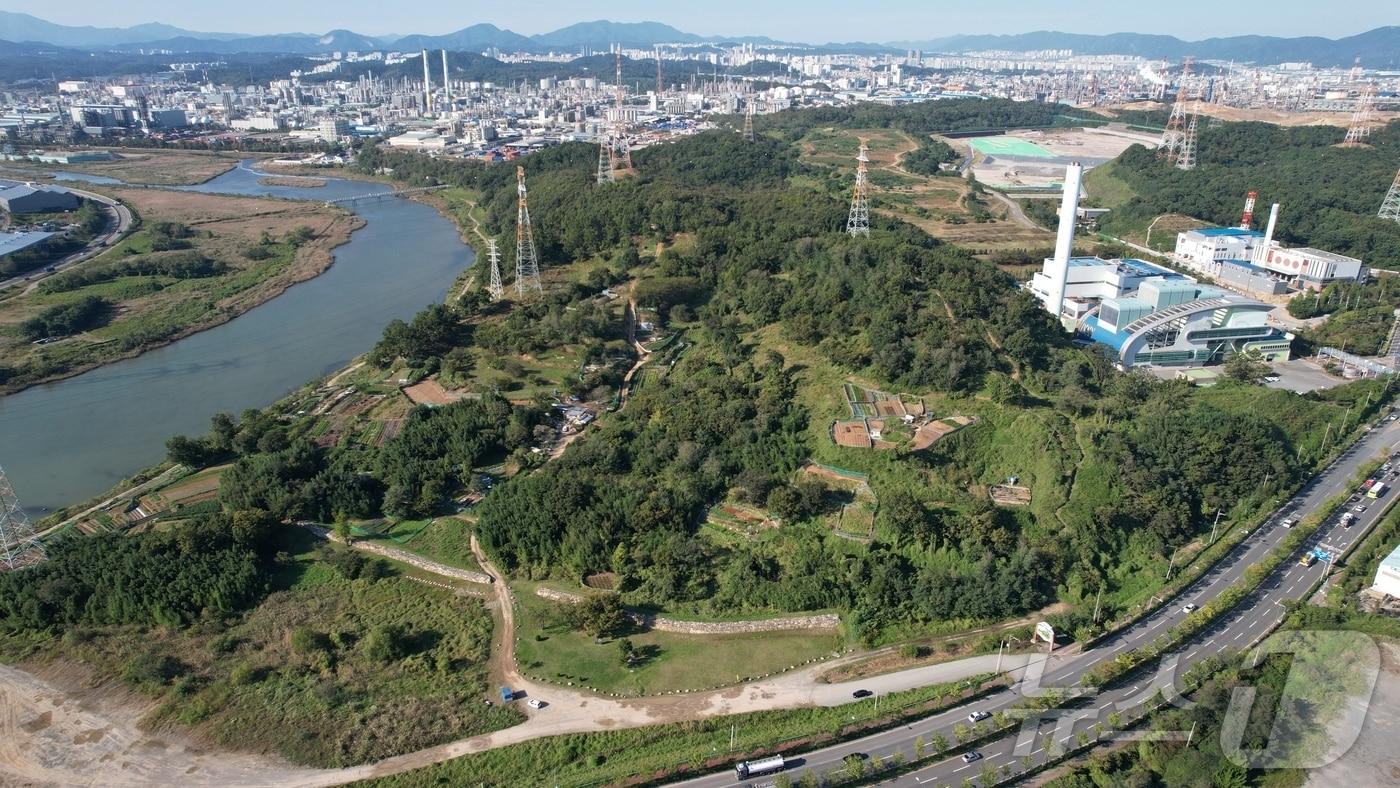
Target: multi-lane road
<point>98,244</point>
<point>1236,629</point>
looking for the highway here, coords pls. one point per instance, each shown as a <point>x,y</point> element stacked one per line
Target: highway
<point>96,246</point>
<point>1236,629</point>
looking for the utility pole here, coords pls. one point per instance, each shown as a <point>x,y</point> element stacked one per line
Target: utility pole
<point>19,544</point>
<point>1213,526</point>
<point>1097,599</point>
<point>1170,565</point>
<point>1000,645</point>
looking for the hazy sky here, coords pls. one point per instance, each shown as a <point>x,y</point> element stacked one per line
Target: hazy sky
<point>813,21</point>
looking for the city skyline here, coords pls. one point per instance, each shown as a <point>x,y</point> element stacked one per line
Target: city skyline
<point>810,22</point>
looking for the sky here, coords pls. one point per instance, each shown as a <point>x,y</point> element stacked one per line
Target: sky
<point>812,21</point>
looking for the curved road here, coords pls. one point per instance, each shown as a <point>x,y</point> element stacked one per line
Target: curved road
<point>1236,629</point>
<point>94,247</point>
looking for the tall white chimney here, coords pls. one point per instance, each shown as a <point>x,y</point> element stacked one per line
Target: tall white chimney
<point>1269,231</point>
<point>427,87</point>
<point>446,80</point>
<point>1064,239</point>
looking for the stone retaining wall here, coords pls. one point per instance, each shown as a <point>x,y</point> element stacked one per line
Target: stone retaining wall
<point>664,624</point>
<point>405,556</point>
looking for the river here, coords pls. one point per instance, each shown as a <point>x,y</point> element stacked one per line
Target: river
<point>67,441</point>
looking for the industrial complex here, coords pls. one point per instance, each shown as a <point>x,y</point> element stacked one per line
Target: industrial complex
<point>1147,313</point>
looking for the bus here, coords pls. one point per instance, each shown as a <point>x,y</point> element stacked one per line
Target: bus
<point>1376,491</point>
<point>746,769</point>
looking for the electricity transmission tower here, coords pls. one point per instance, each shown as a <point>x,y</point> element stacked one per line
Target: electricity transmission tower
<point>605,161</point>
<point>623,158</point>
<point>1390,206</point>
<point>748,121</point>
<point>1359,130</point>
<point>858,223</point>
<point>1170,146</point>
<point>495,288</point>
<point>1186,157</point>
<point>19,544</point>
<point>527,264</point>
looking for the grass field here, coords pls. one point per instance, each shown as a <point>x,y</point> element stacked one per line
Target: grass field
<point>156,168</point>
<point>551,651</point>
<point>446,540</point>
<point>935,204</point>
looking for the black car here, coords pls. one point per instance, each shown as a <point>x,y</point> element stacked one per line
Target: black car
<point>861,694</point>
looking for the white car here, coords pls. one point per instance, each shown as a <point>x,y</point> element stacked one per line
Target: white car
<point>1289,523</point>
<point>1190,608</point>
<point>535,703</point>
<point>978,716</point>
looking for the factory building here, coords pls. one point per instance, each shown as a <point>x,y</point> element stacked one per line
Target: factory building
<point>1253,262</point>
<point>1147,313</point>
<point>1388,575</point>
<point>28,198</point>
<point>1308,268</point>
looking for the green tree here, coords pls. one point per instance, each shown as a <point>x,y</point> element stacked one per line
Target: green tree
<point>1247,367</point>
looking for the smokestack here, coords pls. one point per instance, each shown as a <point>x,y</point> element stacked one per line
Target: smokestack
<point>427,87</point>
<point>1268,234</point>
<point>446,81</point>
<point>1064,239</point>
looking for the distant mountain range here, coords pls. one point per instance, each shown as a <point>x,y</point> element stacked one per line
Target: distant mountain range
<point>1379,48</point>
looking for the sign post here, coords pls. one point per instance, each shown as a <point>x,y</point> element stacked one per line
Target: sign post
<point>1045,632</point>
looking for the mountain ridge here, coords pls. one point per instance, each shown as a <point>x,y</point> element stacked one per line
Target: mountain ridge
<point>1377,48</point>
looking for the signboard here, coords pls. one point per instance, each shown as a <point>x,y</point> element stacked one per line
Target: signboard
<point>1045,632</point>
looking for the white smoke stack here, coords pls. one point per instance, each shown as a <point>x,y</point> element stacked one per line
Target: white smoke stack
<point>1064,239</point>
<point>446,80</point>
<point>427,87</point>
<point>1268,234</point>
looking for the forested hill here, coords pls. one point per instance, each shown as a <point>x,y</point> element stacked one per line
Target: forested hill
<point>1329,194</point>
<point>739,247</point>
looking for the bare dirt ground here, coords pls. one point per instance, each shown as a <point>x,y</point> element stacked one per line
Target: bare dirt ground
<point>1277,117</point>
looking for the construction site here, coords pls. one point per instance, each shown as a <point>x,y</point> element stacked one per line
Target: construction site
<point>1035,159</point>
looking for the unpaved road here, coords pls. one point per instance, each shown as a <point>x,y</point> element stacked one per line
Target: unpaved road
<point>64,737</point>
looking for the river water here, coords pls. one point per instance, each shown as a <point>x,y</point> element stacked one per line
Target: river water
<point>67,441</point>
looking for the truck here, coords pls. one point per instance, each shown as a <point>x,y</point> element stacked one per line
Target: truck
<point>1348,519</point>
<point>507,695</point>
<point>1376,491</point>
<point>746,769</point>
<point>1308,559</point>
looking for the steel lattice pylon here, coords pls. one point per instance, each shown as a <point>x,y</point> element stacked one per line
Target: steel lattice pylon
<point>1390,206</point>
<point>19,544</point>
<point>1359,130</point>
<point>527,264</point>
<point>605,162</point>
<point>748,121</point>
<point>495,288</point>
<point>1186,155</point>
<point>859,221</point>
<point>1175,134</point>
